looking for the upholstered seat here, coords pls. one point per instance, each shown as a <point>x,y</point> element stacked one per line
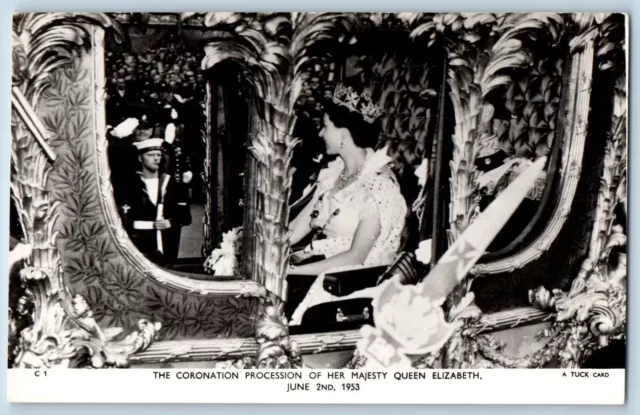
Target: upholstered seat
<point>351,312</point>
<point>343,314</point>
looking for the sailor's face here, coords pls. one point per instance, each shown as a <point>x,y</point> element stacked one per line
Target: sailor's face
<point>151,160</point>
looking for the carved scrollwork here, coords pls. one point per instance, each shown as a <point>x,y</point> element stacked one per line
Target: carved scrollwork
<point>482,48</point>
<point>585,319</point>
<point>72,331</point>
<point>470,40</point>
<point>470,348</point>
<point>490,350</point>
<point>275,61</point>
<point>273,150</point>
<point>594,310</point>
<point>459,352</point>
<point>61,328</point>
<point>275,348</point>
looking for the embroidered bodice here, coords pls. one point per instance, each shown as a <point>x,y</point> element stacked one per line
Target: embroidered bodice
<point>374,193</point>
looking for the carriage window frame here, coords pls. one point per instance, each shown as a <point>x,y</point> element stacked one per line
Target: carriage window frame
<point>207,285</point>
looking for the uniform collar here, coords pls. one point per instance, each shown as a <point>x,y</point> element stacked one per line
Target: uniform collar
<point>144,186</point>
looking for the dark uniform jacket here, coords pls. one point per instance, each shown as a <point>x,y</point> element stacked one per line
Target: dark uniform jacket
<point>139,214</point>
<point>177,160</point>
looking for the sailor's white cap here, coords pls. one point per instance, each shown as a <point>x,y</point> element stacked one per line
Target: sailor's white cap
<point>149,144</point>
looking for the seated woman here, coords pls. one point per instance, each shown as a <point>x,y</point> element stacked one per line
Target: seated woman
<point>357,213</point>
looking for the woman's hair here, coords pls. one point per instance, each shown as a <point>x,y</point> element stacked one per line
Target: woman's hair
<point>364,133</point>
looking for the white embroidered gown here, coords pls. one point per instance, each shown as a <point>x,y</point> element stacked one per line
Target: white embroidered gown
<point>375,192</point>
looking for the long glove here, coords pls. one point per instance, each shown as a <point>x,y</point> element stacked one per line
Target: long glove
<point>170,133</point>
<point>125,128</point>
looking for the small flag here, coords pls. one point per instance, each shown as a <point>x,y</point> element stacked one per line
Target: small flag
<point>409,319</point>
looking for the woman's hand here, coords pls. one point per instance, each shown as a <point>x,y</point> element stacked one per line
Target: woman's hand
<point>162,224</point>
<point>365,237</point>
<point>297,257</point>
<point>299,227</point>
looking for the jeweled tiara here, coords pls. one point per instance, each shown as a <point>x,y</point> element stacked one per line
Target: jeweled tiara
<point>362,103</point>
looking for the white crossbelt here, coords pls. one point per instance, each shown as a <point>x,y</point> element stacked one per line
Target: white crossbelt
<point>143,224</point>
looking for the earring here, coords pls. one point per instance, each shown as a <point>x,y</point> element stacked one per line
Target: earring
<point>342,135</point>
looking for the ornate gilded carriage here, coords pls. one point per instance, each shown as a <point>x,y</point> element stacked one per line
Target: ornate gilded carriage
<point>560,80</point>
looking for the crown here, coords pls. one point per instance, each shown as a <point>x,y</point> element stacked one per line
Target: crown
<point>362,103</point>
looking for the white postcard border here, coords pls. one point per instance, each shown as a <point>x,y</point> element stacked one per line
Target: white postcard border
<point>488,386</point>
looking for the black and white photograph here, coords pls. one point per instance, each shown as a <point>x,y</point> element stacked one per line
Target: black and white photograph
<point>346,191</point>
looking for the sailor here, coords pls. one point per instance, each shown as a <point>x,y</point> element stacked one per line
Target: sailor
<point>141,124</point>
<point>151,205</point>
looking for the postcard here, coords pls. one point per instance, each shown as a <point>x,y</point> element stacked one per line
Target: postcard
<point>318,207</point>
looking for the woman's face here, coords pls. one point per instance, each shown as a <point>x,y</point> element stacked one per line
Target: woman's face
<point>331,135</point>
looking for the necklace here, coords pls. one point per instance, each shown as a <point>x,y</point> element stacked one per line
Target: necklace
<point>319,230</point>
<point>344,179</point>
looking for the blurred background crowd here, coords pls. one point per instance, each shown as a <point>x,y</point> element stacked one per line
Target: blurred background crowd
<point>148,74</point>
<point>151,80</point>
